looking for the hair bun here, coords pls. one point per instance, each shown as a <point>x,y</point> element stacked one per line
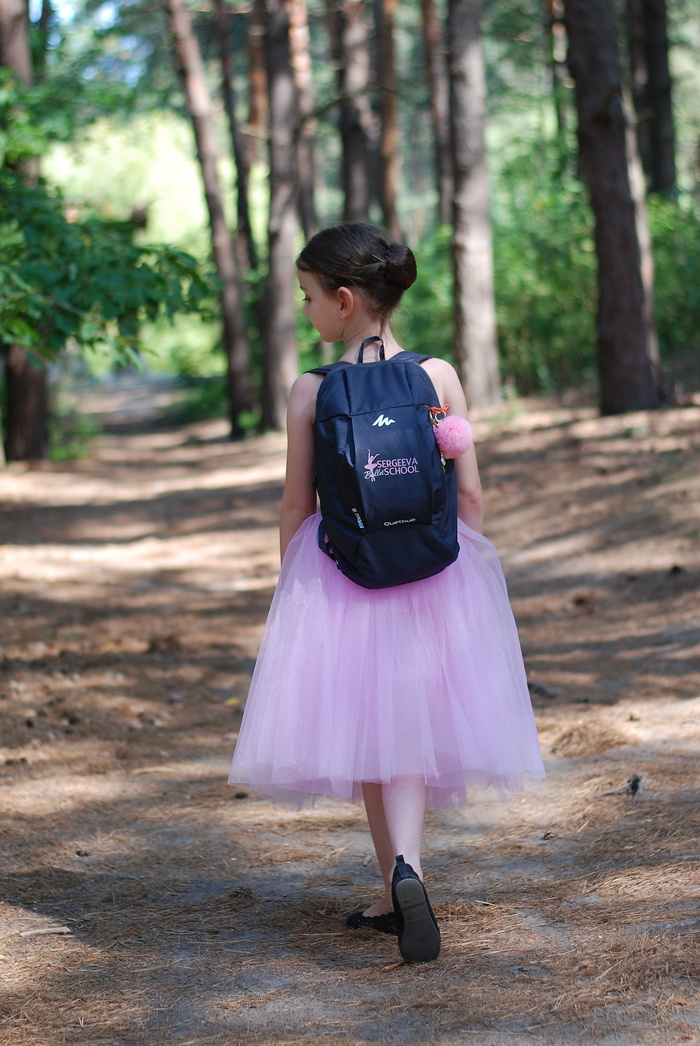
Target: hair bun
<point>400,265</point>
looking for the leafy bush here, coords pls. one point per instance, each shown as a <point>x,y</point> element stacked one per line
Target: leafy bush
<point>424,322</point>
<point>62,279</point>
<point>675,233</point>
<point>544,271</point>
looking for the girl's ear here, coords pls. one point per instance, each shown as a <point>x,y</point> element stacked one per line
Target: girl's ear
<point>346,301</point>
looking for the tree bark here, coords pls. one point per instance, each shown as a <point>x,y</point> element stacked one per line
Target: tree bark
<point>246,242</point>
<point>27,408</point>
<point>357,122</point>
<point>647,33</point>
<point>627,363</point>
<point>235,336</point>
<point>281,360</point>
<point>476,353</point>
<point>438,89</point>
<point>257,83</point>
<point>26,385</point>
<point>389,151</point>
<point>556,57</point>
<point>14,39</point>
<point>301,70</point>
<point>43,28</point>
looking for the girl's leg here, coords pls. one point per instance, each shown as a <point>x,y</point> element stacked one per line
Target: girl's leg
<point>374,805</point>
<point>395,812</point>
<point>404,809</point>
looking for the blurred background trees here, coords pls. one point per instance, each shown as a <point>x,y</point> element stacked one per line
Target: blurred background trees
<point>539,156</point>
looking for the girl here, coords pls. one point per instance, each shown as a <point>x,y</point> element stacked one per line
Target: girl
<point>405,696</point>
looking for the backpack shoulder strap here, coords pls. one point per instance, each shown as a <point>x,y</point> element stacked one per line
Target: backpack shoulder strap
<point>327,369</point>
<point>401,357</point>
<point>407,357</point>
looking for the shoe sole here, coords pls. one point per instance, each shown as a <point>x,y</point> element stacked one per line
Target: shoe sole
<point>420,940</point>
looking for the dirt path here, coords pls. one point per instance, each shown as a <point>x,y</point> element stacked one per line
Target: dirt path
<point>143,902</point>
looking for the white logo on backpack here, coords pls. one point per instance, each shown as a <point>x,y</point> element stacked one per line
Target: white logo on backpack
<point>389,467</point>
<point>381,420</point>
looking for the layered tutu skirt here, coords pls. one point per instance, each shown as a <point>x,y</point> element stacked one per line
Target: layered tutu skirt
<point>355,685</point>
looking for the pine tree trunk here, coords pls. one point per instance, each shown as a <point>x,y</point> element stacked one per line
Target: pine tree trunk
<point>26,385</point>
<point>556,54</point>
<point>14,39</point>
<point>389,146</point>
<point>627,364</point>
<point>281,354</point>
<point>27,408</point>
<point>350,47</point>
<point>246,242</point>
<point>257,83</point>
<point>235,336</point>
<point>436,75</point>
<point>647,31</point>
<point>301,70</point>
<point>476,354</point>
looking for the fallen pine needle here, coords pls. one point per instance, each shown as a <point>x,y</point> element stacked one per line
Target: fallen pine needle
<point>154,770</point>
<point>44,930</point>
<point>151,969</point>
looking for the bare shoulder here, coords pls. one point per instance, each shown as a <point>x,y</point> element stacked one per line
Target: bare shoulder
<point>302,396</point>
<point>439,367</point>
<point>445,379</point>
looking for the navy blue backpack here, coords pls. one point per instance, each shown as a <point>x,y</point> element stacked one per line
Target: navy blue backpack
<point>388,499</point>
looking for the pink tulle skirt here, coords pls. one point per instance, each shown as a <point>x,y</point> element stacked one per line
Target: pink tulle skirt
<point>355,685</point>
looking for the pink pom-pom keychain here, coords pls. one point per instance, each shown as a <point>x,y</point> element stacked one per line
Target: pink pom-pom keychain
<point>453,434</point>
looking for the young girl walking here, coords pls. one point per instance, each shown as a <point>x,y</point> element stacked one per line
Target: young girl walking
<point>401,697</point>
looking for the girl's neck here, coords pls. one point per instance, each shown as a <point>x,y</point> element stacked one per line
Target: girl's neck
<point>353,343</point>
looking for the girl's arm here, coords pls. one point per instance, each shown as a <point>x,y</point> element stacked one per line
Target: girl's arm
<point>299,497</point>
<point>470,502</point>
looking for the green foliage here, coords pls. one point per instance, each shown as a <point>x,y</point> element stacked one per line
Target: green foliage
<point>544,271</point>
<point>424,321</point>
<point>203,399</point>
<point>85,280</point>
<point>675,232</point>
<point>54,109</point>
<point>148,162</point>
<point>70,433</point>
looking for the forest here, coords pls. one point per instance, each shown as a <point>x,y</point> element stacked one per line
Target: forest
<point>162,165</point>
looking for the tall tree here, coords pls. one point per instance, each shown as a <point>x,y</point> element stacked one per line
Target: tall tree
<point>238,144</point>
<point>14,39</point>
<point>235,335</point>
<point>257,82</point>
<point>476,353</point>
<point>303,82</point>
<point>26,388</point>
<point>647,33</point>
<point>627,354</point>
<point>350,46</point>
<point>279,333</point>
<point>389,145</point>
<point>556,58</point>
<point>438,90</point>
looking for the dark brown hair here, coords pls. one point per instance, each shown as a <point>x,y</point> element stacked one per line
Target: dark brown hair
<point>357,254</point>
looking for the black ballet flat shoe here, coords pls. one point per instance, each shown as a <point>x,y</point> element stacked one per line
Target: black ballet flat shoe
<point>418,931</point>
<point>382,923</point>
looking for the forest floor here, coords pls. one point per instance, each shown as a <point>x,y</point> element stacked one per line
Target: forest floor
<point>145,902</point>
